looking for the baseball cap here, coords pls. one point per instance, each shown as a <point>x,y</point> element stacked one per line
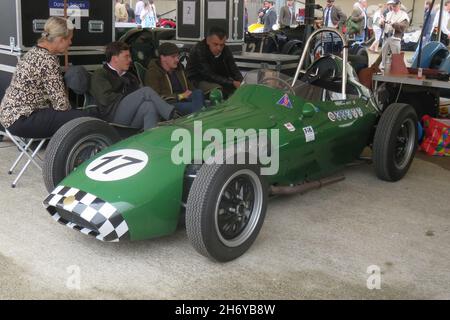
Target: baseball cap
<point>393,2</point>
<point>168,49</point>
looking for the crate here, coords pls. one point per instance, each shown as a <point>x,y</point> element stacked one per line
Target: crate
<point>195,18</point>
<point>23,22</point>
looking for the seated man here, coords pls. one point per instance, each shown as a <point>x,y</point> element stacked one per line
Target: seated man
<point>166,76</point>
<point>118,93</point>
<point>211,64</point>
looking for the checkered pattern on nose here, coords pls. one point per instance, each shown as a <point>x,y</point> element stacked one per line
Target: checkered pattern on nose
<point>86,213</point>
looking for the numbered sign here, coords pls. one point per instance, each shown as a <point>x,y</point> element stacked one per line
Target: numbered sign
<point>117,165</point>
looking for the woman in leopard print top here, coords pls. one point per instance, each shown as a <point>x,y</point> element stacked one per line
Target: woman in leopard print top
<point>35,104</point>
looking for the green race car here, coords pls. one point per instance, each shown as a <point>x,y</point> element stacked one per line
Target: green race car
<point>216,168</point>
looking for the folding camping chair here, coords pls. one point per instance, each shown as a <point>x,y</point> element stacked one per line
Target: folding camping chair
<point>25,147</point>
<point>141,71</point>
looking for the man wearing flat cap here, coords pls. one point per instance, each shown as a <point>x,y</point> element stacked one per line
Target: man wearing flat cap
<point>166,76</point>
<point>333,17</point>
<point>394,25</point>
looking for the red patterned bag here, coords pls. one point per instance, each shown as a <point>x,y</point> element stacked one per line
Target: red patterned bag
<point>437,136</point>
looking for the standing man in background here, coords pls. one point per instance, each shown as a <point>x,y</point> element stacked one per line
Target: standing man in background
<point>445,33</point>
<point>138,10</point>
<point>287,15</point>
<point>130,11</point>
<point>333,17</point>
<point>270,18</point>
<point>394,25</point>
<point>359,15</point>
<point>262,12</point>
<point>120,12</point>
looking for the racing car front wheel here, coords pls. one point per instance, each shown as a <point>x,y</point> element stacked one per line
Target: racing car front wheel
<point>395,142</point>
<point>225,210</point>
<point>75,142</point>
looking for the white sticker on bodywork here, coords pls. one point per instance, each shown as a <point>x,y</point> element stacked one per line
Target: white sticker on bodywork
<point>309,134</point>
<point>331,116</point>
<point>117,165</point>
<point>289,126</point>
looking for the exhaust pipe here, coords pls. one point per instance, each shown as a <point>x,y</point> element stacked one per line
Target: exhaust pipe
<point>304,187</point>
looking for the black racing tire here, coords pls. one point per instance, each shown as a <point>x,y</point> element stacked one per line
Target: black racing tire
<point>395,142</point>
<point>293,47</point>
<point>75,142</point>
<point>1,129</point>
<point>224,233</point>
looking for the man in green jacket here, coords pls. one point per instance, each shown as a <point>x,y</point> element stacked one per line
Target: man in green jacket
<point>166,76</point>
<point>119,95</point>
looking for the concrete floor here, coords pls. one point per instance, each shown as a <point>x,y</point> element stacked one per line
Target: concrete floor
<point>316,246</point>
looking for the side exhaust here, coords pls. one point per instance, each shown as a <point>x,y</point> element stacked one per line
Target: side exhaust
<point>304,187</point>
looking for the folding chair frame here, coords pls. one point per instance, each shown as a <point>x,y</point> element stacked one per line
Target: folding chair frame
<point>25,149</point>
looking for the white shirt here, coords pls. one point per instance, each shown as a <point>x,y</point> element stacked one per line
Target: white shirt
<point>394,17</point>
<point>292,11</point>
<point>328,23</point>
<point>120,73</point>
<point>377,15</point>
<point>139,7</point>
<point>444,21</point>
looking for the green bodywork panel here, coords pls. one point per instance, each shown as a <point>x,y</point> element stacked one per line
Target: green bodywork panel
<point>150,201</point>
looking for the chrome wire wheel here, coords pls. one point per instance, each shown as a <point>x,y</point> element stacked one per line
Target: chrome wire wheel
<point>85,149</point>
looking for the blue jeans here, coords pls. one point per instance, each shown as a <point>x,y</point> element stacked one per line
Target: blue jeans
<point>194,103</point>
<point>138,19</point>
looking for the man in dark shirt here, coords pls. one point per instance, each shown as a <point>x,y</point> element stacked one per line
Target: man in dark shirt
<point>211,64</point>
<point>119,95</point>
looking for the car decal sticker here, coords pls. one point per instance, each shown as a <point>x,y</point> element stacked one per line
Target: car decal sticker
<point>338,115</point>
<point>349,114</point>
<point>289,126</point>
<point>331,116</point>
<point>117,165</point>
<point>354,113</point>
<point>343,114</point>
<point>309,134</point>
<point>285,101</point>
<point>360,112</point>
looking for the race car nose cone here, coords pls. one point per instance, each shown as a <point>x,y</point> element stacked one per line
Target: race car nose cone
<point>86,213</point>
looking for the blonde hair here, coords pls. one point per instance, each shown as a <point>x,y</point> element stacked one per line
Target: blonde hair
<point>56,27</point>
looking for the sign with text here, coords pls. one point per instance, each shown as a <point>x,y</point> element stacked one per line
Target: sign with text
<point>75,8</point>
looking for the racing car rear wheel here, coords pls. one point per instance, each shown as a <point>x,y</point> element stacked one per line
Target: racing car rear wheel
<point>225,210</point>
<point>75,142</point>
<point>395,142</point>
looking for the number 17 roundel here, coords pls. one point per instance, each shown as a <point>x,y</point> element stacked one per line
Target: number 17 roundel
<point>117,165</point>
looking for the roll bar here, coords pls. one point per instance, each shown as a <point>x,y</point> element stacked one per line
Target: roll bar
<point>344,57</point>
